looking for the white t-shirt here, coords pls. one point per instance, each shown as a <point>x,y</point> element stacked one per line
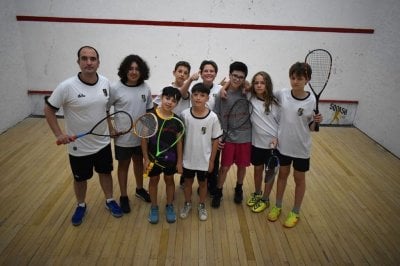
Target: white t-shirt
<point>214,91</point>
<point>264,126</point>
<point>84,105</point>
<point>200,131</point>
<point>294,137</point>
<point>132,99</point>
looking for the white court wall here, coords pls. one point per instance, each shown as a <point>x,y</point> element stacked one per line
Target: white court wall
<point>14,100</point>
<point>365,65</point>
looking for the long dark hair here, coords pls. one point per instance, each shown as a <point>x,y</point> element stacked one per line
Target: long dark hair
<point>126,65</point>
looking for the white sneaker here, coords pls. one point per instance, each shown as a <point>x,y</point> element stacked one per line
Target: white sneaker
<point>185,210</point>
<point>202,212</point>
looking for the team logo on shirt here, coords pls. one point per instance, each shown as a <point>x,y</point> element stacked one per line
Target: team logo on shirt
<point>143,98</point>
<point>105,92</point>
<point>203,130</point>
<point>300,111</point>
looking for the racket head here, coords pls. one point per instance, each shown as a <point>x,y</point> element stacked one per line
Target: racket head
<point>145,126</point>
<point>238,115</point>
<point>169,134</point>
<point>118,123</point>
<point>320,61</point>
<point>271,168</point>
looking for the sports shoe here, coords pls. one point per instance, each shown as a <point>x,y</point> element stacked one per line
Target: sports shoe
<point>124,203</point>
<point>153,215</point>
<point>216,201</point>
<point>238,198</point>
<point>79,213</point>
<point>202,212</point>
<point>142,194</point>
<point>260,206</point>
<point>291,219</point>
<point>254,198</point>
<point>185,210</point>
<point>170,213</point>
<point>114,209</point>
<point>274,213</point>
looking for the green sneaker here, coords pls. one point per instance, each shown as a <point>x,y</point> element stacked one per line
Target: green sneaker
<point>254,198</point>
<point>260,206</point>
<point>291,220</point>
<point>274,213</point>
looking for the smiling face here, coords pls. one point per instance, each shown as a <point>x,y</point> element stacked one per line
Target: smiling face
<point>237,79</point>
<point>208,74</point>
<point>133,74</point>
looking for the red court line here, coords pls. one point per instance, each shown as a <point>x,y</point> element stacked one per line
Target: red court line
<point>193,24</point>
<point>337,101</point>
<point>48,92</point>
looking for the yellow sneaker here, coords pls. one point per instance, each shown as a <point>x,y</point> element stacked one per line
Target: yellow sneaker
<point>254,198</point>
<point>291,220</point>
<point>260,206</point>
<point>274,213</point>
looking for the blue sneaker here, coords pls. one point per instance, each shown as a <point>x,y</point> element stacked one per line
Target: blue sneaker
<point>170,213</point>
<point>77,218</point>
<point>114,208</point>
<point>153,215</point>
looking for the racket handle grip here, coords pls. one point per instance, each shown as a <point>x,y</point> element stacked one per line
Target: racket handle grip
<point>316,128</point>
<point>148,169</point>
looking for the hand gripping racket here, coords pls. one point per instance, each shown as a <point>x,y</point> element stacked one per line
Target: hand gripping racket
<point>169,134</point>
<point>115,124</point>
<point>320,62</point>
<point>238,115</point>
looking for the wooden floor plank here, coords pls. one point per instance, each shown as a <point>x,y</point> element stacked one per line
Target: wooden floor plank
<point>350,213</point>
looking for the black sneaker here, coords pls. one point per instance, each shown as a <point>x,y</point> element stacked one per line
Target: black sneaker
<point>216,201</point>
<point>238,198</point>
<point>142,194</point>
<point>124,204</point>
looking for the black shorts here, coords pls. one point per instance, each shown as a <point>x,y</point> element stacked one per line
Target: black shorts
<point>190,174</point>
<point>82,166</point>
<point>260,156</point>
<point>158,170</point>
<point>126,153</point>
<point>299,164</point>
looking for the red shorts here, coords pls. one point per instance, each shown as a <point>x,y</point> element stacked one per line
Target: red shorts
<point>238,153</point>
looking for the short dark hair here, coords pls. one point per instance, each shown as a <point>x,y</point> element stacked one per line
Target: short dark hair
<point>208,62</point>
<point>300,69</point>
<point>126,65</point>
<point>171,92</point>
<point>238,66</point>
<point>90,47</point>
<point>200,87</point>
<point>182,63</point>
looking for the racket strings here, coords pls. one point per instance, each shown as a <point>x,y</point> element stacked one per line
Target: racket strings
<point>122,123</point>
<point>146,126</point>
<point>320,63</point>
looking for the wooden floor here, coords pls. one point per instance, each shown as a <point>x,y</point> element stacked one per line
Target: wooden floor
<point>350,214</point>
